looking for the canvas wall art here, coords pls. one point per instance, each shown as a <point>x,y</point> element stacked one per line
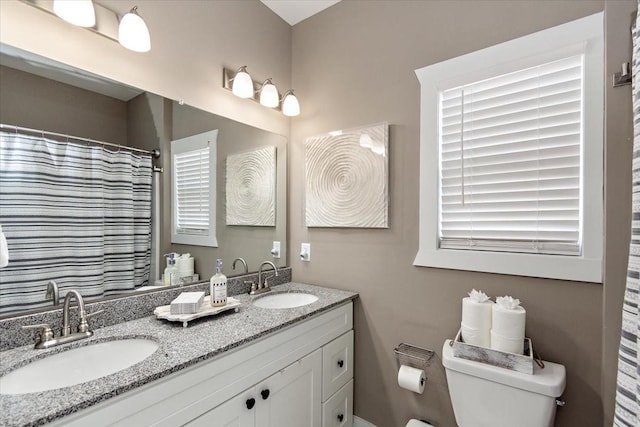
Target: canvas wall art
<point>347,178</point>
<point>251,188</point>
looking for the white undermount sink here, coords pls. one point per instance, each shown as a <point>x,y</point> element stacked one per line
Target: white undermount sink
<point>77,366</point>
<point>285,300</point>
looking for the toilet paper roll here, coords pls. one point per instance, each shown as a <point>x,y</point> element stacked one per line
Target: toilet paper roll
<point>478,337</point>
<point>185,265</point>
<point>476,314</point>
<point>509,323</point>
<point>411,379</point>
<point>508,345</point>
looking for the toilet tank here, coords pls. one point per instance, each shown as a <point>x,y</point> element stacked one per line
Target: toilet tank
<point>483,395</point>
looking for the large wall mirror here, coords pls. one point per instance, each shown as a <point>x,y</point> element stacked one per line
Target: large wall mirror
<point>40,94</point>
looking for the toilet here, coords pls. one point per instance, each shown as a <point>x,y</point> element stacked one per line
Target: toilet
<point>483,395</point>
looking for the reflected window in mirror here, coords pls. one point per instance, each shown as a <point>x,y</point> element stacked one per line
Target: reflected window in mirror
<point>194,190</point>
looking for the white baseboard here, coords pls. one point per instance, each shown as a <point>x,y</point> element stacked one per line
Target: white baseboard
<point>359,422</point>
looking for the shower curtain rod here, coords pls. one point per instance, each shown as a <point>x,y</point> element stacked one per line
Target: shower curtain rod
<point>155,153</point>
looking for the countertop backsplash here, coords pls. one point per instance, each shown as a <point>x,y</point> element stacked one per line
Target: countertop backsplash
<point>119,309</point>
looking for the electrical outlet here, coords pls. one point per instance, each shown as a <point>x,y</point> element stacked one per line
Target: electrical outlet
<point>305,252</point>
<point>275,251</point>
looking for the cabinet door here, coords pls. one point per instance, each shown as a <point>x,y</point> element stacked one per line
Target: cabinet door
<point>337,411</point>
<point>337,364</point>
<point>239,411</point>
<point>292,397</point>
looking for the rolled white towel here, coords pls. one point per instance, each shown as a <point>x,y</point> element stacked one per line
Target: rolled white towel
<point>4,250</point>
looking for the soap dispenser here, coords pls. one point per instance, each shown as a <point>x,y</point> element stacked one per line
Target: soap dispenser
<point>171,272</point>
<point>218,287</point>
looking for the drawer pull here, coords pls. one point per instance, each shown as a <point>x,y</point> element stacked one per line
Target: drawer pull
<point>251,403</point>
<point>340,417</point>
<point>341,363</point>
<point>265,394</point>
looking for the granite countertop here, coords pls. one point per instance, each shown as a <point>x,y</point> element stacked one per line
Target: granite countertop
<point>179,348</point>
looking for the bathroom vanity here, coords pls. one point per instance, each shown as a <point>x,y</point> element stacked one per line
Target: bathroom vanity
<point>260,366</point>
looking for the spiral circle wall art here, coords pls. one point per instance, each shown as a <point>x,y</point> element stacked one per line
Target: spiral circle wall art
<point>251,188</point>
<point>347,178</point>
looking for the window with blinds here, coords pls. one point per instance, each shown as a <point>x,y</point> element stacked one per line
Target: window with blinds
<point>510,161</point>
<point>512,156</point>
<point>193,183</point>
<point>192,187</point>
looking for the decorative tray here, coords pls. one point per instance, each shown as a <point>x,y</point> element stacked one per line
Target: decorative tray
<point>515,362</point>
<point>164,311</point>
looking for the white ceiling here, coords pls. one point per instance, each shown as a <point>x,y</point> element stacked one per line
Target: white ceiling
<point>294,11</point>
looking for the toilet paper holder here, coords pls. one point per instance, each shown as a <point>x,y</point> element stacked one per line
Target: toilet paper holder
<point>412,355</point>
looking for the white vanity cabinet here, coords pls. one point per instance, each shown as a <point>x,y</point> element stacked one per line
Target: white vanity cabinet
<point>337,382</point>
<point>306,367</point>
<point>317,387</point>
<point>289,398</point>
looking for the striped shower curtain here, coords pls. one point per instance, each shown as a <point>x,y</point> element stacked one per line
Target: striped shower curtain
<point>76,214</point>
<point>627,412</point>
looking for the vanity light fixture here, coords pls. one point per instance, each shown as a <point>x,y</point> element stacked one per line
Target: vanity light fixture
<point>290,104</point>
<point>133,32</point>
<point>240,84</point>
<point>76,12</point>
<point>269,96</point>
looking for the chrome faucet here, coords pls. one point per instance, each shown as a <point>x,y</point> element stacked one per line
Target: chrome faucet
<point>82,314</point>
<point>47,338</point>
<point>52,292</point>
<point>246,269</point>
<point>263,286</point>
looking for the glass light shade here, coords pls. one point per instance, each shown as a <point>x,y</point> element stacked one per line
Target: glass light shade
<point>269,96</point>
<point>76,12</point>
<point>290,105</point>
<point>133,32</point>
<point>242,84</point>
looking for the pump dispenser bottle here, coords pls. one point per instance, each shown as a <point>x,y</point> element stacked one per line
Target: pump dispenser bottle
<point>171,272</point>
<point>218,286</point>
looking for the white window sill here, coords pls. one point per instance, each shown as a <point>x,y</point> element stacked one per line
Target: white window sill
<point>575,268</point>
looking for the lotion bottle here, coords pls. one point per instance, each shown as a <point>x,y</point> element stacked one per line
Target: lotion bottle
<point>218,287</point>
<point>171,272</point>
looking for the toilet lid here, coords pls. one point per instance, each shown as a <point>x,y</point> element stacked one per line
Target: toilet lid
<point>417,423</point>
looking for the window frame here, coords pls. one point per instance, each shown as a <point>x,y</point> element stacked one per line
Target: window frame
<point>583,36</point>
<point>181,146</point>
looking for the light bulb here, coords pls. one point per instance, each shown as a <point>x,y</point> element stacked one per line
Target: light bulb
<point>76,12</point>
<point>242,84</point>
<point>269,96</point>
<point>133,32</point>
<point>290,105</point>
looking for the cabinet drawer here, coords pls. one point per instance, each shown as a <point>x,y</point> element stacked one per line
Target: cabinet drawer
<point>338,410</point>
<point>337,364</point>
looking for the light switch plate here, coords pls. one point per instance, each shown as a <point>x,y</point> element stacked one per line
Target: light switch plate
<point>305,252</point>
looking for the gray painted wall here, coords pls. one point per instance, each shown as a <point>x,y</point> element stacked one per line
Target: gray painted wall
<point>353,64</point>
<point>38,103</point>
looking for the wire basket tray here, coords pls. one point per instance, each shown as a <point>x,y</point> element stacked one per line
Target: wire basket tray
<point>414,356</point>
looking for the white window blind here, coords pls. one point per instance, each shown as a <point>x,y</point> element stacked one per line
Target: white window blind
<point>510,161</point>
<point>192,185</point>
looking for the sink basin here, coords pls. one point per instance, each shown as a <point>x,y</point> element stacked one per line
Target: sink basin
<point>285,300</point>
<point>76,366</point>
